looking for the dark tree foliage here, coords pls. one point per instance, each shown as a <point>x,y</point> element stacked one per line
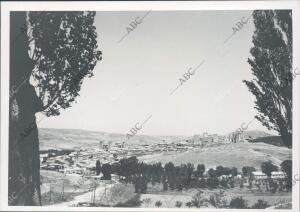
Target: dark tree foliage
<point>212,182</point>
<point>140,185</point>
<point>50,54</point>
<point>287,168</point>
<point>260,204</point>
<point>98,167</point>
<point>107,171</point>
<point>271,66</point>
<point>238,203</point>
<point>247,170</point>
<point>234,171</point>
<point>268,167</point>
<point>198,200</point>
<point>200,170</point>
<point>64,49</point>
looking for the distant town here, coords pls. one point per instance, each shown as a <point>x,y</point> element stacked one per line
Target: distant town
<point>82,161</point>
<point>105,164</point>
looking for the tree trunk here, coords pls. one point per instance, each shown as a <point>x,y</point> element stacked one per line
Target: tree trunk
<point>24,164</point>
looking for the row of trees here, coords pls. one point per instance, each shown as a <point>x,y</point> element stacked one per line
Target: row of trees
<point>185,176</point>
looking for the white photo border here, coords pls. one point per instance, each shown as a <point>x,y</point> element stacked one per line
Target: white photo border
<point>6,7</point>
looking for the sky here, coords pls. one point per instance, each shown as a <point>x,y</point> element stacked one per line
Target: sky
<point>134,79</point>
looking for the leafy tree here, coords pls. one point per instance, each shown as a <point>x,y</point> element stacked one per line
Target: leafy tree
<point>238,202</point>
<point>64,52</point>
<point>189,170</point>
<point>268,167</point>
<point>98,167</point>
<point>48,60</point>
<point>200,170</point>
<point>212,182</point>
<point>202,183</point>
<point>212,173</point>
<point>273,185</point>
<point>234,171</point>
<point>260,204</point>
<point>140,185</point>
<point>170,173</point>
<point>106,170</point>
<point>271,65</point>
<point>242,184</point>
<point>247,170</point>
<point>287,168</point>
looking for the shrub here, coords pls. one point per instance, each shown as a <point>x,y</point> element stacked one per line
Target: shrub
<point>274,186</point>
<point>260,204</point>
<point>218,199</point>
<point>147,201</point>
<point>242,185</point>
<point>134,202</point>
<point>202,183</point>
<point>189,204</point>
<point>158,204</point>
<point>212,182</point>
<point>178,204</point>
<point>198,200</point>
<point>238,202</point>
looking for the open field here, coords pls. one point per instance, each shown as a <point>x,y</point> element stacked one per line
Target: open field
<point>231,155</point>
<point>169,198</point>
<point>74,192</point>
<point>59,188</point>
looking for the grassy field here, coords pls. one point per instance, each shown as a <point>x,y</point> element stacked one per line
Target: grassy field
<point>231,155</point>
<point>169,198</point>
<point>59,188</point>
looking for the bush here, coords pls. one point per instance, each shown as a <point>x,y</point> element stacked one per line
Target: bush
<point>242,185</point>
<point>260,204</point>
<point>202,183</point>
<point>147,201</point>
<point>274,186</point>
<point>134,202</point>
<point>165,186</point>
<point>189,204</point>
<point>238,202</point>
<point>213,182</point>
<point>218,199</point>
<point>178,204</point>
<point>158,204</point>
<point>198,200</point>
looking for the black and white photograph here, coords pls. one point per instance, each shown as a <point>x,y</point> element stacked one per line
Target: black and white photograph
<point>150,105</point>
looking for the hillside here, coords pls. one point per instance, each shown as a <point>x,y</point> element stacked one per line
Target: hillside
<point>238,155</point>
<point>84,139</point>
<point>253,134</point>
<point>231,155</point>
<point>274,140</point>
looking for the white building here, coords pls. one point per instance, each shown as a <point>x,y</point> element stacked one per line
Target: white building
<point>278,175</point>
<point>259,175</point>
